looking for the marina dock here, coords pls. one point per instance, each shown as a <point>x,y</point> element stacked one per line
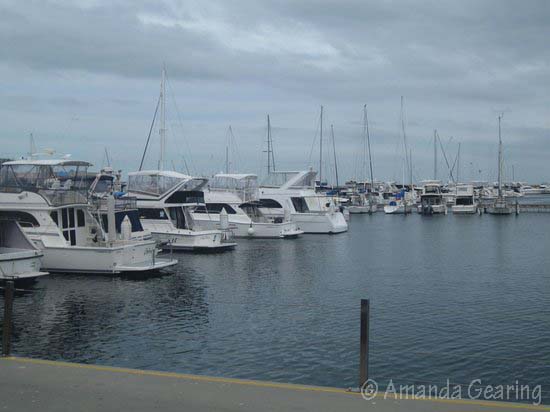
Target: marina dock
<point>32,384</point>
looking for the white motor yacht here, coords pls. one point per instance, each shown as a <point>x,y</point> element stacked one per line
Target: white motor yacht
<point>19,258</point>
<point>294,193</point>
<point>165,200</point>
<point>238,195</point>
<point>431,199</point>
<point>52,200</point>
<point>464,200</point>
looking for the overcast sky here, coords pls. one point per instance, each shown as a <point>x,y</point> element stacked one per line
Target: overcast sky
<point>84,75</point>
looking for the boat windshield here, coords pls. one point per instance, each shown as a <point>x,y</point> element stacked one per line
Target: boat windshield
<point>293,180</point>
<point>60,183</point>
<point>154,184</point>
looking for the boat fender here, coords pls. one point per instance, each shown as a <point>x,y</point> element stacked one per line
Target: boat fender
<point>250,231</point>
<point>126,228</point>
<point>224,220</point>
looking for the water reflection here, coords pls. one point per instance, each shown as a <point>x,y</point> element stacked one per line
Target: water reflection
<point>451,296</point>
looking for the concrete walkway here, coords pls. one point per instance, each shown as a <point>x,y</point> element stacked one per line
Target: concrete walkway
<point>46,386</point>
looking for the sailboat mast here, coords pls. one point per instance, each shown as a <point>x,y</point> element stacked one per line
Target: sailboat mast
<point>405,146</point>
<point>368,147</point>
<point>499,159</point>
<point>321,150</point>
<point>162,130</point>
<point>268,145</point>
<point>435,154</point>
<point>227,159</point>
<point>334,150</point>
<point>458,165</point>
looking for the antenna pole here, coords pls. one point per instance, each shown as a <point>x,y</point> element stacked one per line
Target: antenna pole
<point>321,150</point>
<point>334,150</point>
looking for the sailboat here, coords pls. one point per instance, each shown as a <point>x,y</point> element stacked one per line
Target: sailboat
<point>166,199</point>
<point>361,201</point>
<point>400,205</point>
<point>500,206</point>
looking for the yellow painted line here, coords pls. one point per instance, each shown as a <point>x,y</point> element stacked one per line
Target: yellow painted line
<point>275,385</point>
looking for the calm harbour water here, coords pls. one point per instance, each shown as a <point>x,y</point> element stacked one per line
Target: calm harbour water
<point>452,297</point>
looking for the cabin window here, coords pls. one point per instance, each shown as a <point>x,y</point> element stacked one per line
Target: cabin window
<point>464,201</point>
<point>156,214</point>
<point>68,226</point>
<point>270,204</point>
<point>25,219</point>
<point>64,218</point>
<point>177,216</point>
<point>186,196</point>
<point>80,220</point>
<point>215,208</point>
<point>53,215</point>
<point>300,204</point>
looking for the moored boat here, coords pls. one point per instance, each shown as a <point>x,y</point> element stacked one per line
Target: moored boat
<point>52,200</point>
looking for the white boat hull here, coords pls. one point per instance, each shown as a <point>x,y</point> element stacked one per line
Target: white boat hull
<point>201,240</point>
<point>433,209</point>
<point>355,210</point>
<point>464,209</point>
<point>249,229</point>
<point>501,207</point>
<point>395,209</point>
<point>20,264</point>
<point>330,223</point>
<point>129,257</point>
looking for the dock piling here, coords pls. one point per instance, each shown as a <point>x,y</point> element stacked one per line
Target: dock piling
<point>8,311</point>
<point>364,347</point>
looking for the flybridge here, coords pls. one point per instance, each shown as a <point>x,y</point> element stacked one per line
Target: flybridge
<point>291,180</point>
<point>160,182</point>
<point>244,185</point>
<point>60,182</point>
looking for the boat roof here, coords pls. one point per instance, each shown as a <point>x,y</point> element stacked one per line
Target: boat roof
<point>236,176</point>
<point>167,173</point>
<point>47,162</point>
<point>295,178</point>
<point>431,182</point>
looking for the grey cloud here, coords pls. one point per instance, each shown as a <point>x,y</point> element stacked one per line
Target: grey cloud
<point>457,63</point>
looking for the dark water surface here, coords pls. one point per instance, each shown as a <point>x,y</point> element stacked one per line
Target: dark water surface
<point>452,297</point>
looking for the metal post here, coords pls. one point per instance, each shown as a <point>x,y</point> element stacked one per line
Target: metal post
<point>8,311</point>
<point>364,348</point>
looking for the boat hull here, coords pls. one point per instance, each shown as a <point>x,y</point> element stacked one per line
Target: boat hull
<point>18,264</point>
<point>363,209</point>
<point>129,257</point>
<point>433,209</point>
<point>327,223</point>
<point>464,209</point>
<point>250,229</point>
<point>395,210</point>
<point>191,240</point>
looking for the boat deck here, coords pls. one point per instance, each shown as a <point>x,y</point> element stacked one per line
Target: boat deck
<point>38,385</point>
